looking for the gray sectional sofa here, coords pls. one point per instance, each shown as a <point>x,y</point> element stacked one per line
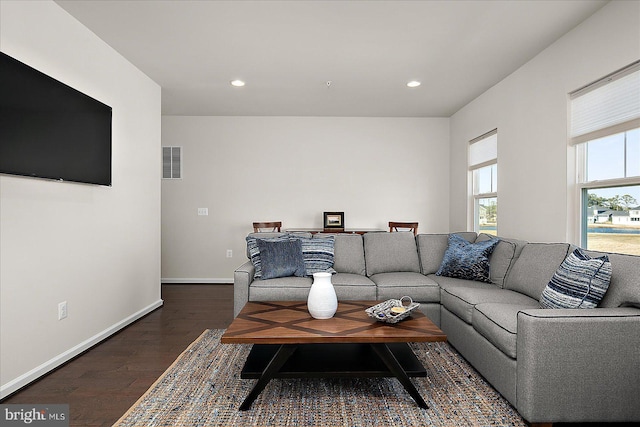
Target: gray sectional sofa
<point>552,365</point>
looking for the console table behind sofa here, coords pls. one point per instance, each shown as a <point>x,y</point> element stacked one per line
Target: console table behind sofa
<point>334,230</point>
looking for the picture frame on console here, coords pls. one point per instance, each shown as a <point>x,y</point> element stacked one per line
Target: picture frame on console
<point>334,220</point>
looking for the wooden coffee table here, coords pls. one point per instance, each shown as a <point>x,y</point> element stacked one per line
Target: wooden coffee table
<point>289,343</point>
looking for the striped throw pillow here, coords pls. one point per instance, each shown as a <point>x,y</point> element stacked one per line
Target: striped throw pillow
<point>579,282</point>
<point>318,254</point>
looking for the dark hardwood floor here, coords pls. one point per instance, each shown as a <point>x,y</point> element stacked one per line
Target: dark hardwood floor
<point>102,383</point>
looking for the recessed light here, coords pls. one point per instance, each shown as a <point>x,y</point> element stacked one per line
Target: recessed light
<point>237,83</point>
<point>413,83</point>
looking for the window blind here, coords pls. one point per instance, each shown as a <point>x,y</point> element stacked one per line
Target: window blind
<point>483,150</point>
<point>607,106</point>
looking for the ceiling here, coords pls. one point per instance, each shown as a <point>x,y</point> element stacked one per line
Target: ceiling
<point>287,51</point>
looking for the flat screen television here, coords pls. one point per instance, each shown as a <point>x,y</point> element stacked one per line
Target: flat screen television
<point>50,130</point>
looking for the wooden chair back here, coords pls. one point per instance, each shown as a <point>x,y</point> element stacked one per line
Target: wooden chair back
<point>267,226</point>
<point>411,226</point>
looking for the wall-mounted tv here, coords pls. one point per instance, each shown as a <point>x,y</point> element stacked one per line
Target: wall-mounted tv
<point>50,130</point>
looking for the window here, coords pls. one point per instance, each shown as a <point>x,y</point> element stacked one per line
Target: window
<point>483,169</point>
<point>605,127</point>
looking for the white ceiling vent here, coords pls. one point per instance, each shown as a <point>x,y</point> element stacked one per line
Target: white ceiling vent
<point>171,162</point>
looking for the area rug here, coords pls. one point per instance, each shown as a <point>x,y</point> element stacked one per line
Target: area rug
<point>203,388</point>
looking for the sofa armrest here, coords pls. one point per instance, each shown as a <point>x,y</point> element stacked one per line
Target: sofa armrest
<point>242,278</point>
<point>578,365</point>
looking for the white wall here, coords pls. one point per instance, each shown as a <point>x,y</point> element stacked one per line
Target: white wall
<point>292,169</point>
<point>536,172</point>
<point>98,248</point>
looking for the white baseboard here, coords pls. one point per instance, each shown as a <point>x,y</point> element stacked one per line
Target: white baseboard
<point>192,280</point>
<point>34,374</point>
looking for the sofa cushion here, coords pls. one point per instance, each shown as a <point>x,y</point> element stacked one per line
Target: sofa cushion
<point>431,249</point>
<point>503,257</point>
<point>349,254</point>
<point>466,260</point>
<point>351,279</point>
<point>318,254</point>
<point>498,323</point>
<point>535,267</point>
<point>624,289</point>
<point>389,252</point>
<point>281,258</point>
<point>396,285</point>
<point>451,282</point>
<point>461,301</point>
<point>579,282</point>
<point>281,289</point>
<point>351,286</point>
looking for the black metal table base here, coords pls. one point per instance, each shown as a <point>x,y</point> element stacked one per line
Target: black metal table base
<point>267,361</point>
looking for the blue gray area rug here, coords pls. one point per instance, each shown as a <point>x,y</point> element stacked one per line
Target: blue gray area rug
<point>203,388</point>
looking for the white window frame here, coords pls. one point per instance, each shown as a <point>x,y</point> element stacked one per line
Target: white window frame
<point>578,143</point>
<point>474,197</point>
<point>583,186</point>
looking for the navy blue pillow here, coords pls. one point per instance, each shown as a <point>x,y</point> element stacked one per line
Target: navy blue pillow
<point>281,258</point>
<point>465,260</point>
<point>253,252</point>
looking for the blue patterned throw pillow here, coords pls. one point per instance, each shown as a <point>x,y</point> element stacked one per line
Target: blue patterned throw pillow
<point>579,282</point>
<point>465,260</point>
<point>281,258</point>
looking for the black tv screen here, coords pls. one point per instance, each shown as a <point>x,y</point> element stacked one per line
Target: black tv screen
<point>50,130</point>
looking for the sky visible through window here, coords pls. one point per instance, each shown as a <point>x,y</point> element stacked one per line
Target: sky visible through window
<point>608,158</point>
<point>615,225</point>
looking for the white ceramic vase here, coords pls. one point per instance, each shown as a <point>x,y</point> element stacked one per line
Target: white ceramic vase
<point>322,301</point>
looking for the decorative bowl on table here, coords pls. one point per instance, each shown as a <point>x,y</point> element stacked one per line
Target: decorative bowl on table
<point>392,310</point>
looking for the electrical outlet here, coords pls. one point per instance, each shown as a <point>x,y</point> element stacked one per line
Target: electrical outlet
<point>62,310</point>
<point>203,211</point>
<point>229,253</point>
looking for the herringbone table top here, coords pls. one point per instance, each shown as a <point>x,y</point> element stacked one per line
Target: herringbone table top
<point>289,322</point>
